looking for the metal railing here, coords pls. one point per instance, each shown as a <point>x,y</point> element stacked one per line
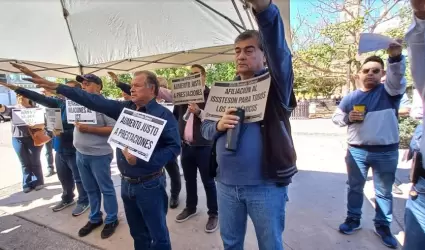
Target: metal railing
<point>301,111</point>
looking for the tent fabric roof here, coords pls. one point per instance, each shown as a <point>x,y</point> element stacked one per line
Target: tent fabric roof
<point>65,38</point>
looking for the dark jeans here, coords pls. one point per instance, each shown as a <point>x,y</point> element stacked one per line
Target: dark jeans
<point>146,206</point>
<point>174,172</point>
<point>69,176</point>
<point>194,158</point>
<point>95,174</point>
<point>414,219</point>
<point>384,166</point>
<point>49,154</point>
<point>29,156</point>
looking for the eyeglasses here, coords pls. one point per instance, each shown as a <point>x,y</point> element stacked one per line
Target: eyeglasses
<point>374,71</point>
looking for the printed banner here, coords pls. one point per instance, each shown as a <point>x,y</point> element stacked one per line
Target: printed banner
<point>250,95</point>
<point>29,116</point>
<point>139,132</point>
<point>76,112</point>
<point>54,119</point>
<point>188,89</point>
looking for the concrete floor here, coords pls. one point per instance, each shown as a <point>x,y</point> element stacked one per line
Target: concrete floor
<point>316,207</point>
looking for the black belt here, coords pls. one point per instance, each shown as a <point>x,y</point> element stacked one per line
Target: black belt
<point>142,179</point>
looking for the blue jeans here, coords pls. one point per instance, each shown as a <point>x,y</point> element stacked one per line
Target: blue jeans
<point>69,176</point>
<point>265,204</point>
<point>95,173</point>
<point>49,154</point>
<point>146,206</point>
<point>414,219</point>
<point>384,166</point>
<point>192,159</point>
<point>29,156</point>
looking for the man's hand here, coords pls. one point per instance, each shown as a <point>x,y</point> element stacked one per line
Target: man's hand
<point>131,159</point>
<point>194,108</point>
<point>418,7</point>
<point>8,85</point>
<point>258,5</point>
<point>83,128</point>
<point>355,116</point>
<point>25,70</point>
<point>228,120</point>
<point>395,49</point>
<point>114,77</point>
<point>43,83</point>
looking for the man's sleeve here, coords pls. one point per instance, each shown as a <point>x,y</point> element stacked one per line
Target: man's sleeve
<point>170,145</point>
<point>405,102</point>
<point>38,98</point>
<point>209,130</point>
<point>278,54</point>
<point>109,121</point>
<point>94,102</point>
<point>395,83</point>
<point>340,116</point>
<point>415,39</point>
<point>124,87</point>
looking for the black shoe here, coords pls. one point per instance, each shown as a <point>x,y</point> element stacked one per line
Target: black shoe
<point>109,229</point>
<point>386,236</point>
<point>50,173</point>
<point>185,215</point>
<point>174,202</point>
<point>212,224</point>
<point>350,225</point>
<point>88,228</point>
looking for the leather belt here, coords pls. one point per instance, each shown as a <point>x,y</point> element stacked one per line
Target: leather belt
<point>142,179</point>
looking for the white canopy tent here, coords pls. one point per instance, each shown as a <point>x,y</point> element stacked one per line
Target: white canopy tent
<point>69,37</point>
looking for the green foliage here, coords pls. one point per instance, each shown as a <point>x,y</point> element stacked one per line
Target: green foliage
<point>109,88</point>
<point>171,73</point>
<point>407,126</point>
<point>220,72</point>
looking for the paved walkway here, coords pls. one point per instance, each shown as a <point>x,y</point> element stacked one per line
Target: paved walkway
<point>316,208</point>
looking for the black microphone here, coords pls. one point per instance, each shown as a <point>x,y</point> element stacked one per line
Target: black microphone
<point>232,140</point>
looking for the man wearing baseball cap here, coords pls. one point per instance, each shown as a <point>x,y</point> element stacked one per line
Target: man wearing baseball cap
<point>94,156</point>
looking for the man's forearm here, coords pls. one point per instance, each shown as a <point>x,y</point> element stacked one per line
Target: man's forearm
<point>209,130</point>
<point>395,83</point>
<point>340,118</point>
<point>38,98</point>
<point>102,131</point>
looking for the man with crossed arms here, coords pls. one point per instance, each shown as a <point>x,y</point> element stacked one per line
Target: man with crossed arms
<point>142,183</point>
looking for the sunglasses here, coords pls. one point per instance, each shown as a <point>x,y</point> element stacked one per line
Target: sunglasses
<point>374,71</point>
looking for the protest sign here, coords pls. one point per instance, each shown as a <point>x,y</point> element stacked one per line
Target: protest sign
<point>54,119</point>
<point>250,95</point>
<point>372,42</point>
<point>78,113</point>
<point>169,106</point>
<point>188,89</point>
<point>139,132</point>
<point>29,116</point>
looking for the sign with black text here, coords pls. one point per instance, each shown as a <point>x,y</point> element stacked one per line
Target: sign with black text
<point>78,113</point>
<point>27,117</point>
<point>187,89</point>
<point>169,106</point>
<point>54,119</point>
<point>139,132</point>
<point>250,95</point>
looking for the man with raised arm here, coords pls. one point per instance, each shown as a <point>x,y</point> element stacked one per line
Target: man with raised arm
<point>172,166</point>
<point>66,163</point>
<point>370,113</point>
<point>142,183</point>
<point>415,207</point>
<point>253,180</point>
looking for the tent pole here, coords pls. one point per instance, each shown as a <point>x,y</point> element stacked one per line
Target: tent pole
<point>65,16</point>
<point>222,15</point>
<point>239,14</point>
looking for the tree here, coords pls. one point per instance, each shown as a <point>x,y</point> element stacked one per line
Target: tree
<point>220,72</point>
<point>110,89</point>
<point>329,48</point>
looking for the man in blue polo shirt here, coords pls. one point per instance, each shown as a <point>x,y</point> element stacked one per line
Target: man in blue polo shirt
<point>142,183</point>
<point>373,137</point>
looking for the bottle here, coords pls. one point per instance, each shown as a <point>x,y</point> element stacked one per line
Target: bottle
<point>232,140</point>
<point>186,115</point>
